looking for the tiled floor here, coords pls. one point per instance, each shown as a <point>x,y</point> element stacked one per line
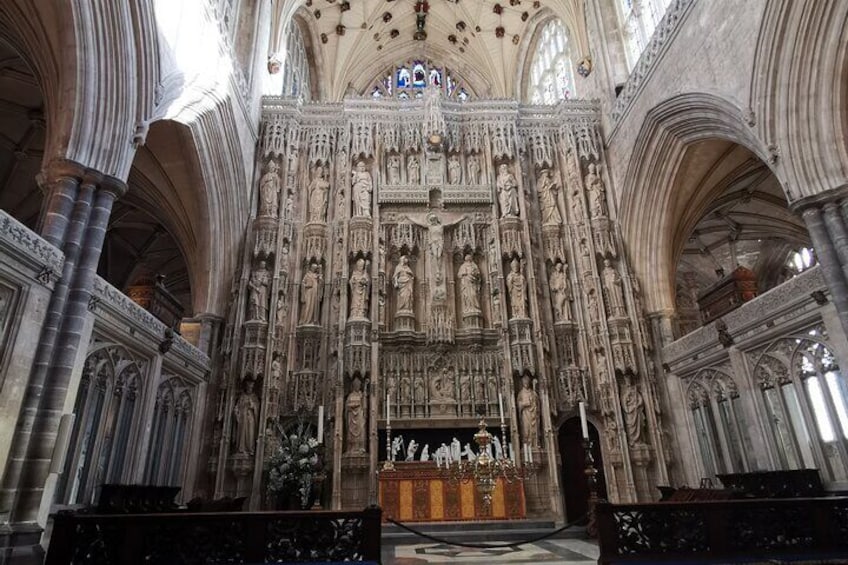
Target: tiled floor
<point>550,552</point>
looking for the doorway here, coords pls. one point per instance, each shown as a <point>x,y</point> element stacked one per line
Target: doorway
<point>575,489</point>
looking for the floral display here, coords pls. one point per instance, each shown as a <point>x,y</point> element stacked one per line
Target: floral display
<point>294,466</point>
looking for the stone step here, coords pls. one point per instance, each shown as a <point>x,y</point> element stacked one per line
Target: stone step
<point>488,531</point>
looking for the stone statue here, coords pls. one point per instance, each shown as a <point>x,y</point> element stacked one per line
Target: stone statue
<point>612,284</point>
<point>455,450</point>
<point>258,293</point>
<point>516,285</point>
<point>548,199</point>
<point>561,293</point>
<point>411,448</point>
<point>276,371</point>
<point>397,445</point>
<point>403,280</point>
<point>361,190</point>
<point>577,206</point>
<point>585,256</point>
<point>470,281</point>
<point>634,411</point>
<point>310,294</point>
<point>418,389</point>
<point>355,418</point>
<point>496,442</point>
<point>454,170</point>
<point>425,453</point>
<point>441,386</point>
<point>465,388</point>
<point>246,414</point>
<point>319,189</point>
<point>269,190</point>
<point>595,189</point>
<point>413,170</point>
<point>289,206</point>
<point>507,192</point>
<point>528,411</point>
<point>405,390</point>
<point>469,453</point>
<point>393,170</point>
<point>473,169</point>
<point>436,235</point>
<point>594,307</point>
<point>360,284</point>
<point>381,258</point>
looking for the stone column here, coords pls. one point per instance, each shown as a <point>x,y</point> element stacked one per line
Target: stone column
<point>81,235</point>
<point>61,192</point>
<point>825,216</point>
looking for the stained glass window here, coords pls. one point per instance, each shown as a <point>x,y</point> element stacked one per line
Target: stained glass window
<point>407,80</point>
<point>419,75</point>
<point>552,71</point>
<point>295,71</point>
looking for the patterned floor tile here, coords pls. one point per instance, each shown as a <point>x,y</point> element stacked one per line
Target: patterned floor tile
<point>551,552</point>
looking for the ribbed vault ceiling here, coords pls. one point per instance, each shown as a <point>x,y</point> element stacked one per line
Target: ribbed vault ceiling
<point>483,41</point>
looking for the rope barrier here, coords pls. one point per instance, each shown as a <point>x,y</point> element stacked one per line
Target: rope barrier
<point>487,546</point>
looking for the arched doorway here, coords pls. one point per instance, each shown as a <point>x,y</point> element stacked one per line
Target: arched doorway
<point>575,489</point>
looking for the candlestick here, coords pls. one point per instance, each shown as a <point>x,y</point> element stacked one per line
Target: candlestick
<point>592,480</point>
<point>500,406</point>
<point>388,410</point>
<point>321,424</point>
<point>584,424</point>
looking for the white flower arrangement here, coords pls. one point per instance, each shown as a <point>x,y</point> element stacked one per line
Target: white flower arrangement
<point>294,465</point>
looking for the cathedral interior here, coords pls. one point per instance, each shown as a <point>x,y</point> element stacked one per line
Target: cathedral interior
<point>226,225</point>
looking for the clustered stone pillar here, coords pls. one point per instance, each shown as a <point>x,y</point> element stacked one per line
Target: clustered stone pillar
<point>78,205</point>
<point>826,216</point>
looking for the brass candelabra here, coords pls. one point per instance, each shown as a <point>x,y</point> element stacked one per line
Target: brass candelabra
<point>484,469</point>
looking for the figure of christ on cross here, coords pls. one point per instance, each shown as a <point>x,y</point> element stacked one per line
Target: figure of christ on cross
<point>435,223</point>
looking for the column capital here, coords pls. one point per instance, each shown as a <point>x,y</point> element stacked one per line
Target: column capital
<point>663,313</point>
<point>114,185</point>
<point>833,196</point>
<point>63,169</point>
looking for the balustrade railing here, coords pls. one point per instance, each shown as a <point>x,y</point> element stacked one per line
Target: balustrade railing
<point>724,531</point>
<point>223,537</point>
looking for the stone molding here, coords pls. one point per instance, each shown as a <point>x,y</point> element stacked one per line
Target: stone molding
<point>120,305</point>
<point>835,196</point>
<point>664,35</point>
<point>789,297</point>
<point>394,125</point>
<point>29,248</point>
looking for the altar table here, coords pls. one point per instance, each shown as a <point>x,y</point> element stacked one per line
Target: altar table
<point>420,492</point>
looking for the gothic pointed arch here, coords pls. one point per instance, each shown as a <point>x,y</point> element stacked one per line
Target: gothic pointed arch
<point>799,93</point>
<point>548,71</point>
<point>295,63</point>
<point>654,211</point>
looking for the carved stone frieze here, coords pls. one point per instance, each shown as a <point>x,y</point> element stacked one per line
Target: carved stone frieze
<point>27,247</point>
